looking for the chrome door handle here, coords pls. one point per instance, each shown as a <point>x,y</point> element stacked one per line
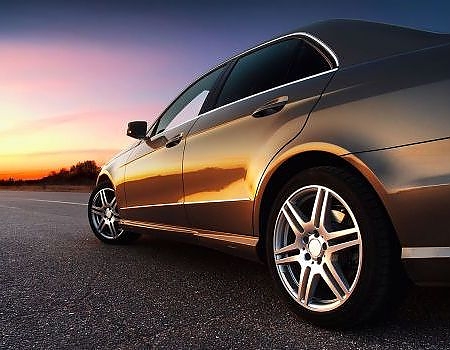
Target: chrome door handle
<point>271,107</point>
<point>174,140</point>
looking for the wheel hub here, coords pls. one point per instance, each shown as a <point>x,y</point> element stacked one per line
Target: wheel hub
<point>315,248</point>
<point>108,213</point>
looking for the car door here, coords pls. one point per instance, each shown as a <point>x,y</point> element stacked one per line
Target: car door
<point>153,173</point>
<point>263,104</point>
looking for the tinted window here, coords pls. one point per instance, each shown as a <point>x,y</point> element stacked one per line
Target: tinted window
<point>188,105</point>
<point>308,62</point>
<point>278,64</point>
<point>259,71</point>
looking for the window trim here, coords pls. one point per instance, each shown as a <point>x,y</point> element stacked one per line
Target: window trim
<point>152,129</point>
<point>254,95</point>
<point>249,52</point>
<point>308,40</point>
<point>301,35</point>
<point>217,87</point>
<point>271,89</point>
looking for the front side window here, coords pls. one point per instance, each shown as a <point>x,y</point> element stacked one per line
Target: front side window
<point>188,105</point>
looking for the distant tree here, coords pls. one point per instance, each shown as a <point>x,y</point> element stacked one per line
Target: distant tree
<point>82,173</point>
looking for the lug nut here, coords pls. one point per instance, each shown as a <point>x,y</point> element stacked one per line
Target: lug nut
<point>319,260</point>
<point>316,233</point>
<point>307,256</point>
<point>324,246</point>
<point>305,239</point>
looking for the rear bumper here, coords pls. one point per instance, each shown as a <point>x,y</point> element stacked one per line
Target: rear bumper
<point>427,265</point>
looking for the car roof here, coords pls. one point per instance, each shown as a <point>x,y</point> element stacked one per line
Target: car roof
<point>356,41</point>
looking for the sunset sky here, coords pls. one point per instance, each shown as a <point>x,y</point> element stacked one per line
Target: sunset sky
<point>72,74</point>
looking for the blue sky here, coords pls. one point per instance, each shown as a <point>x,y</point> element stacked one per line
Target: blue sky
<point>75,72</point>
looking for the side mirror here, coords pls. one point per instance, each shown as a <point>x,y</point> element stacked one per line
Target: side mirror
<point>137,129</point>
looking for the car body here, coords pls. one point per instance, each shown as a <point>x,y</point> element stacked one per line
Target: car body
<point>369,99</point>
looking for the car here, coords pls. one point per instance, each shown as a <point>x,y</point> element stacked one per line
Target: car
<point>324,153</point>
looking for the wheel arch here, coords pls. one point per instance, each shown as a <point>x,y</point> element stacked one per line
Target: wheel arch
<point>284,169</point>
<point>105,177</point>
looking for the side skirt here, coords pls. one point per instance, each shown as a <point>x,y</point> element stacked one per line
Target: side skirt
<point>239,245</point>
<point>427,266</point>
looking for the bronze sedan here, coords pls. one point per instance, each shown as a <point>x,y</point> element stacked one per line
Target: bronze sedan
<point>324,152</point>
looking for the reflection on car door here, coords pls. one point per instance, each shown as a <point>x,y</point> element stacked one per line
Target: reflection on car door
<point>228,148</point>
<point>153,174</point>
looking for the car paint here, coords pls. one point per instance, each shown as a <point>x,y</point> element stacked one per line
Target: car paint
<point>382,110</point>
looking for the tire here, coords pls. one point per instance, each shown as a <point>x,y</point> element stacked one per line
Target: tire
<point>104,217</point>
<point>344,252</point>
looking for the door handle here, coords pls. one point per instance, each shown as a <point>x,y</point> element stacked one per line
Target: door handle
<point>174,140</point>
<point>271,107</point>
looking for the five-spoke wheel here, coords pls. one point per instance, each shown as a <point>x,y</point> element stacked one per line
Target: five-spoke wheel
<point>317,248</point>
<point>104,216</point>
<point>330,247</point>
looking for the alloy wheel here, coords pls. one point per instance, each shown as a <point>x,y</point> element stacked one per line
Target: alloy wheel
<point>104,214</point>
<point>317,248</point>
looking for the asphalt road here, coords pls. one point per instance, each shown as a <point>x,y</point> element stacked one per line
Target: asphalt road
<point>61,288</point>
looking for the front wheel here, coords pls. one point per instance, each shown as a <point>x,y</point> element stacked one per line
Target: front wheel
<point>104,216</point>
<point>330,247</point>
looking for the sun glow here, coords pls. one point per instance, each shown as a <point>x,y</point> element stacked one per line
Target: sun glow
<point>64,103</point>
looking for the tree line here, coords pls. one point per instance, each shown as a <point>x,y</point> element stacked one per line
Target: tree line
<point>82,173</point>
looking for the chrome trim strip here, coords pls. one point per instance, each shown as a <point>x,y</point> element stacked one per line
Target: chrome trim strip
<point>162,227</point>
<point>179,203</point>
<point>425,252</point>
<point>324,46</point>
<point>230,238</point>
<point>296,34</point>
<point>249,241</point>
<point>243,99</point>
<point>269,90</point>
<point>150,205</point>
<point>220,201</point>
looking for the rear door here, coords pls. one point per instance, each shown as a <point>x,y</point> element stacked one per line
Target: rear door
<point>264,103</point>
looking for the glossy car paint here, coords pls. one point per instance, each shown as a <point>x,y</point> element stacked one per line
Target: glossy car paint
<point>236,146</point>
<point>382,109</point>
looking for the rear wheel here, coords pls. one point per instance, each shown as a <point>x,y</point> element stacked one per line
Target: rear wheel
<point>330,247</point>
<point>104,216</point>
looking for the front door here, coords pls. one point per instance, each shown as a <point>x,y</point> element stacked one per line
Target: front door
<point>153,174</point>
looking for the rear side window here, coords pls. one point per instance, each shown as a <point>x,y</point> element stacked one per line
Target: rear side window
<point>308,62</point>
<point>259,71</point>
<point>271,66</point>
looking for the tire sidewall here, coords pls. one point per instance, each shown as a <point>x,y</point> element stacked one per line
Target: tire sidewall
<point>124,237</point>
<point>367,278</point>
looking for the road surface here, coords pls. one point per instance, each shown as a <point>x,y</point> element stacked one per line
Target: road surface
<point>61,288</point>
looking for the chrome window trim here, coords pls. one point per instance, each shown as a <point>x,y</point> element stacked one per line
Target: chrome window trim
<point>295,35</point>
<point>269,90</point>
<point>179,203</point>
<point>425,252</point>
<point>248,97</point>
